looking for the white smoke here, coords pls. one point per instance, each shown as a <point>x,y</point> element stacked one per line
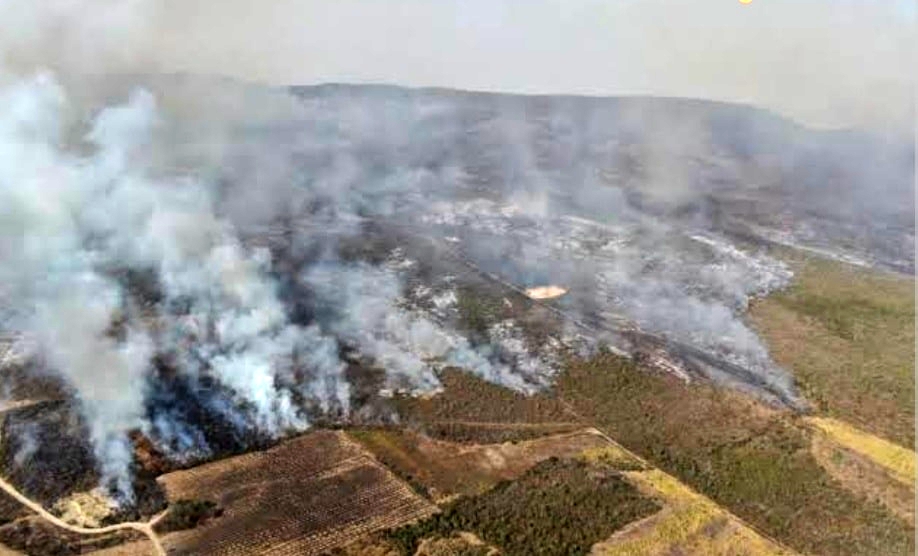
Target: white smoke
<point>72,215</point>
<point>363,303</point>
<point>52,287</point>
<point>130,273</point>
<point>86,212</point>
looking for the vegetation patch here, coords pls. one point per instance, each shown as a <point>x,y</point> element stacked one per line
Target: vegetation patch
<point>613,456</point>
<point>36,537</point>
<point>399,454</point>
<point>848,335</point>
<point>494,433</point>
<point>188,514</point>
<point>469,398</point>
<point>557,507</point>
<point>461,544</point>
<point>863,476</point>
<point>690,524</point>
<point>752,460</point>
<point>477,312</point>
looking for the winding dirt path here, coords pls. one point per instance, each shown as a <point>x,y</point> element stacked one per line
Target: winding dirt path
<point>143,527</point>
<point>510,424</point>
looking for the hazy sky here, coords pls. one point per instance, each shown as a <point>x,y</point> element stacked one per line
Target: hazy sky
<point>833,62</point>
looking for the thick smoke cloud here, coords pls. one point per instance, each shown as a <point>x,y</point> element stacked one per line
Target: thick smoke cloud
<point>108,261</point>
<point>74,224</point>
<point>77,37</point>
<point>176,247</point>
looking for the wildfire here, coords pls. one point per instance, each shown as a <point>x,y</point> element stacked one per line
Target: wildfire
<point>545,292</point>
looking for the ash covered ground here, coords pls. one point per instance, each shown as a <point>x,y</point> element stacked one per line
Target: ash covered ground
<point>232,267</point>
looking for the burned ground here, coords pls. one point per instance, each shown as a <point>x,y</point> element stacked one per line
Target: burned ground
<point>45,451</point>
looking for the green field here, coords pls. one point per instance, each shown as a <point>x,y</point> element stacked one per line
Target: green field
<point>557,507</point>
<point>848,336</point>
<point>753,461</point>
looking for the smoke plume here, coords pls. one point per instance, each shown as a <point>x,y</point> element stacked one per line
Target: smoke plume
<point>194,256</point>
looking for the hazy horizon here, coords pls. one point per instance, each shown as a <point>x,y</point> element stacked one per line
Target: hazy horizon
<point>823,63</point>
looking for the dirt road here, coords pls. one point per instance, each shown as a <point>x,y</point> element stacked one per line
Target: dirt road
<point>144,527</point>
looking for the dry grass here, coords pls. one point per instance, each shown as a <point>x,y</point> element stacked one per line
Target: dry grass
<point>865,477</point>
<point>613,456</point>
<point>899,461</point>
<point>460,544</point>
<point>85,509</point>
<point>848,336</point>
<point>689,524</point>
<point>135,548</point>
<point>754,462</point>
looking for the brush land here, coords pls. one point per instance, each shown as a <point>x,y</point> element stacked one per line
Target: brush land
<point>614,459</point>
<point>619,456</point>
<point>848,334</point>
<point>837,482</point>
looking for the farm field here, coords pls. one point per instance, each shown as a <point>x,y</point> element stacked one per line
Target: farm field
<point>559,506</point>
<point>303,496</point>
<point>444,469</point>
<point>542,507</point>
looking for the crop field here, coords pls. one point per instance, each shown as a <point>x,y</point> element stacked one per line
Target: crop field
<point>445,469</point>
<point>135,548</point>
<point>303,496</point>
<point>684,522</point>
